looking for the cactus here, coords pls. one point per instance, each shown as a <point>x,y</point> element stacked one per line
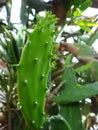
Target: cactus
<point>33,69</point>
<point>56,122</point>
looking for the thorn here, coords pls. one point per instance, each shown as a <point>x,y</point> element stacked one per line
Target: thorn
<point>51,54</point>
<point>43,113</point>
<point>42,76</point>
<point>35,60</point>
<point>47,43</point>
<point>25,81</point>
<point>41,127</point>
<point>29,43</point>
<point>35,103</point>
<point>46,88</point>
<point>17,65</point>
<point>33,122</point>
<point>19,106</point>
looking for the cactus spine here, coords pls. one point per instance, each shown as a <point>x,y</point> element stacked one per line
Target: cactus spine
<point>33,69</point>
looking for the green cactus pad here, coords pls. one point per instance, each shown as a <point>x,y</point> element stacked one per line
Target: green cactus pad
<point>33,69</point>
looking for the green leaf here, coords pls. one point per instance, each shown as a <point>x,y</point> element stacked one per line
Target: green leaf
<point>70,111</point>
<point>78,93</point>
<point>85,5</point>
<point>85,50</point>
<point>86,29</point>
<point>86,23</point>
<point>69,77</point>
<point>92,40</point>
<point>83,67</point>
<point>94,70</point>
<point>77,3</point>
<point>56,122</point>
<point>80,6</point>
<point>68,59</point>
<point>24,13</point>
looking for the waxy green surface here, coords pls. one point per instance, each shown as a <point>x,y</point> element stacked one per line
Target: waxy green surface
<point>33,69</point>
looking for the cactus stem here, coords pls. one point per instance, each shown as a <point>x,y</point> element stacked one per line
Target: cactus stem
<point>32,96</point>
